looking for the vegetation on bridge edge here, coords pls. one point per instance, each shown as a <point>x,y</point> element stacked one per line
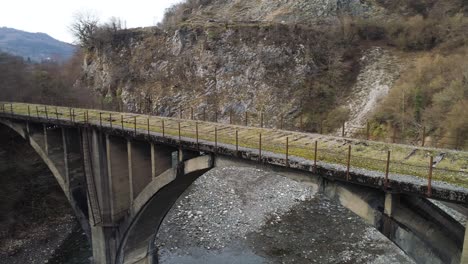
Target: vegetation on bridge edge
<point>451,166</point>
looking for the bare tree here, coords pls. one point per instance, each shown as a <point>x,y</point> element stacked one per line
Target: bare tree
<point>84,27</point>
<point>114,24</point>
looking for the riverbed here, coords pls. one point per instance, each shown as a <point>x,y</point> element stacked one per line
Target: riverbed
<point>244,215</point>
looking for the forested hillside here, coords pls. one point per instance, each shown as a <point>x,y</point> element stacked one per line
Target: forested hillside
<point>47,82</point>
<point>36,47</point>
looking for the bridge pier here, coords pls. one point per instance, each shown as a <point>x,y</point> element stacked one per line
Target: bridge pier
<point>103,231</point>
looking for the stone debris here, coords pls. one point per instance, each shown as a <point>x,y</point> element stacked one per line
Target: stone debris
<point>246,215</point>
<point>219,209</point>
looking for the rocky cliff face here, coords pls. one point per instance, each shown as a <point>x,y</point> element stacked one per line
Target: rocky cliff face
<point>234,56</point>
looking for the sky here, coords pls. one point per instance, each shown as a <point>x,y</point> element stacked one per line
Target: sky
<point>55,16</point>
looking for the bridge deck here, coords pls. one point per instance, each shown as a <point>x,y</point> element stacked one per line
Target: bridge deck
<point>450,166</point>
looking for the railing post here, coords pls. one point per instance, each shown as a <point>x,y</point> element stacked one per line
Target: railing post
<point>349,163</point>
<point>11,109</point>
<point>191,113</point>
<point>122,121</point>
<point>148,124</point>
<point>260,147</point>
<point>180,134</point>
<point>135,125</point>
<point>70,113</point>
<point>368,131</point>
<point>387,169</point>
<point>74,117</point>
<point>237,142</point>
<point>216,139</point>
<point>100,119</point>
<point>343,130</point>
<point>429,181</point>
<point>162,124</point>
<point>37,111</point>
<point>287,151</point>
<point>29,111</point>
<point>196,132</point>
<point>424,136</point>
<point>315,155</point>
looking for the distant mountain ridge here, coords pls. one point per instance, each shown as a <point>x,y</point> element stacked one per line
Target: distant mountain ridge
<point>35,46</point>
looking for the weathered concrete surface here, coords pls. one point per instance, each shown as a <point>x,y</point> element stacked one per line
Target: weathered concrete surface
<point>247,215</point>
<point>464,259</point>
<point>151,189</point>
<point>118,176</point>
<point>140,166</point>
<point>153,203</point>
<point>423,236</point>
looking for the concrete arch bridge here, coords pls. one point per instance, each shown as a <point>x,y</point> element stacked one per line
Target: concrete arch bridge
<point>122,173</point>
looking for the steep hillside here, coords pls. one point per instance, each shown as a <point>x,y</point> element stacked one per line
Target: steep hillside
<point>267,10</point>
<point>316,63</point>
<point>35,46</point>
<point>240,68</point>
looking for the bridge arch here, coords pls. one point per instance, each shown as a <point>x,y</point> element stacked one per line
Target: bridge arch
<point>138,245</point>
<point>154,203</point>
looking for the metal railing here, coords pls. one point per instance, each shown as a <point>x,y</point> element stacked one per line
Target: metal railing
<point>389,159</point>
